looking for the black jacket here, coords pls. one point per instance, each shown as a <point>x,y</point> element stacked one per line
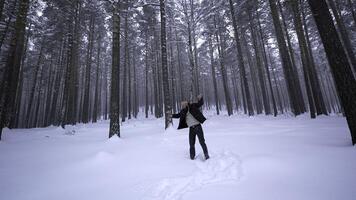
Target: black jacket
<point>194,110</point>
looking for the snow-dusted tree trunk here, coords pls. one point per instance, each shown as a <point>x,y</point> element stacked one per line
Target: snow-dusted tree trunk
<point>167,96</point>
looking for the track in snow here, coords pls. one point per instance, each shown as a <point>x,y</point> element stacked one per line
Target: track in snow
<point>222,167</point>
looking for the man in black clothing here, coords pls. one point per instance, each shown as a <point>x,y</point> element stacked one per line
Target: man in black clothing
<point>190,116</point>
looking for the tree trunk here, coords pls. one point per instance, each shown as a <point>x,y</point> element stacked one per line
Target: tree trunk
<point>260,73</point>
<point>304,56</point>
<point>286,61</point>
<point>97,88</point>
<point>125,76</point>
<point>341,69</point>
<point>13,63</point>
<point>241,62</point>
<point>275,112</point>
<point>211,52</point>
<point>194,90</point>
<point>167,96</point>
<point>317,95</point>
<point>34,86</point>
<point>344,36</point>
<point>146,74</point>
<point>295,76</point>
<point>115,75</point>
<point>86,103</point>
<point>223,72</point>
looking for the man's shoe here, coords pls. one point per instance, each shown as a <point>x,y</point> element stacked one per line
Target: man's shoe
<point>207,156</point>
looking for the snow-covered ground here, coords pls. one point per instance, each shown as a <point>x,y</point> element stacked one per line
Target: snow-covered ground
<point>256,158</point>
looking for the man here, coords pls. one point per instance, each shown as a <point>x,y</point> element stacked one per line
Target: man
<point>190,116</point>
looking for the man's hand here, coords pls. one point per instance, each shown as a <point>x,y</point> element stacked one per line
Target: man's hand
<point>199,96</point>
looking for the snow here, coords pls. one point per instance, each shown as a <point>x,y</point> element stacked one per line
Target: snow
<point>251,158</point>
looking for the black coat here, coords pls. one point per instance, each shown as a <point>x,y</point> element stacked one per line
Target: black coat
<point>194,110</point>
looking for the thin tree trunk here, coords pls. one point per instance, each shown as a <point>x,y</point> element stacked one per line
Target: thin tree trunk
<point>97,88</point>
<point>211,52</point>
<point>146,75</point>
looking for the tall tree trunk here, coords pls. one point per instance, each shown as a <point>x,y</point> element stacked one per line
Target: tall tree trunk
<point>211,52</point>
<point>129,106</point>
<point>125,76</point>
<point>97,88</point>
<point>13,63</point>
<point>179,67</point>
<point>254,81</point>
<point>304,57</point>
<point>34,86</point>
<point>173,72</point>
<point>295,75</point>
<point>146,74</point>
<point>195,50</point>
<point>260,73</point>
<point>86,102</point>
<point>286,61</point>
<point>135,89</point>
<point>50,81</point>
<point>341,69</point>
<point>194,90</point>
<point>344,36</point>
<point>317,95</point>
<point>241,62</point>
<point>220,44</point>
<point>19,95</point>
<point>167,96</point>
<point>57,81</point>
<point>71,82</point>
<point>275,112</point>
<point>115,75</point>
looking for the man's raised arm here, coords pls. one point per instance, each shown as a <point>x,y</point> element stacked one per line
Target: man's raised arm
<point>200,100</point>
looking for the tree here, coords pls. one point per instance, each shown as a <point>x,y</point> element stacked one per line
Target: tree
<point>86,107</point>
<point>292,85</point>
<point>167,96</point>
<point>241,62</point>
<point>115,74</point>
<point>12,68</point>
<point>341,69</point>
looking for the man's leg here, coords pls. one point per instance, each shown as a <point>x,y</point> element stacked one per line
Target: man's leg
<point>199,132</point>
<point>192,143</point>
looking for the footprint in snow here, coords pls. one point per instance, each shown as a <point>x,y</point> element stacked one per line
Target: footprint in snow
<point>220,168</point>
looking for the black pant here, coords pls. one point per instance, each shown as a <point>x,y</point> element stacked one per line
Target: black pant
<point>193,132</point>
